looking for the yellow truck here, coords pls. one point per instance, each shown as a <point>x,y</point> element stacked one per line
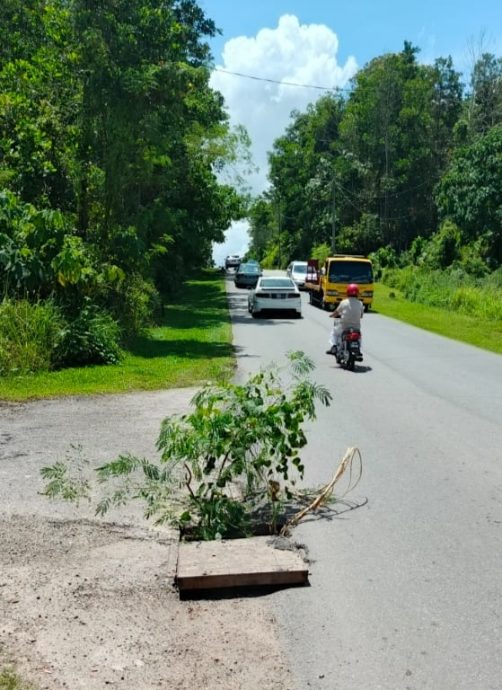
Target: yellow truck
<point>327,284</point>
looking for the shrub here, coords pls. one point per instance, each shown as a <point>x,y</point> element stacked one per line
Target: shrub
<point>321,252</point>
<point>397,278</point>
<point>452,289</point>
<point>271,257</point>
<point>90,338</point>
<point>248,433</point>
<point>136,305</point>
<point>29,336</point>
<point>9,680</point>
<point>472,261</point>
<point>361,237</point>
<point>443,248</point>
<point>466,300</point>
<point>494,280</point>
<point>382,259</point>
<point>416,252</point>
<point>477,302</point>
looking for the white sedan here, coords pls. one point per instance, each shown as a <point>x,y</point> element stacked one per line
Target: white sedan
<point>275,294</point>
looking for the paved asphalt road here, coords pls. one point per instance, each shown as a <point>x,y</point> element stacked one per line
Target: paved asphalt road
<point>406,590</point>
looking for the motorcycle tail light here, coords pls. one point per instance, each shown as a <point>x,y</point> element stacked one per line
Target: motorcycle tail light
<point>353,336</point>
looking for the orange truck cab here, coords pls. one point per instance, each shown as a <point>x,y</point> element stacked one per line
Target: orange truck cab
<point>327,284</point>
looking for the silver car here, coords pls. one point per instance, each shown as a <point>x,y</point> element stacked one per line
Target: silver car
<point>275,294</point>
<point>232,261</point>
<point>297,271</point>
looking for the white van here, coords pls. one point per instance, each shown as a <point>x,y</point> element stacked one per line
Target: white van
<point>297,271</point>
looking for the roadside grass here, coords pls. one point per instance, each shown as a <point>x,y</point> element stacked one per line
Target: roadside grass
<point>483,333</point>
<point>9,680</point>
<point>192,345</point>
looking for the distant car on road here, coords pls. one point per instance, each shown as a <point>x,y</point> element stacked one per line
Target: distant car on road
<point>232,261</point>
<point>297,271</point>
<point>246,276</point>
<point>275,294</point>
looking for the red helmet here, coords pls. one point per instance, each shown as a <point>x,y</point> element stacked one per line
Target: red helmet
<point>352,290</point>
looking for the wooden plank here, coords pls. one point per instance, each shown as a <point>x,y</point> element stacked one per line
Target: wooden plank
<point>238,563</point>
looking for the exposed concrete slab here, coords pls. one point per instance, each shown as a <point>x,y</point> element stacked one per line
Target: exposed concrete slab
<point>239,563</point>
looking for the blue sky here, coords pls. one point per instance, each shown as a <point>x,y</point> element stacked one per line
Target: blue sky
<point>367,28</point>
<point>324,42</point>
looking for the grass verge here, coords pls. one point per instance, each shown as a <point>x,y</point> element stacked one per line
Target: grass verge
<point>193,345</point>
<point>9,680</point>
<point>483,333</point>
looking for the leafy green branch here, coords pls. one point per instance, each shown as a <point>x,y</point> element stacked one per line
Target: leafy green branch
<point>237,451</point>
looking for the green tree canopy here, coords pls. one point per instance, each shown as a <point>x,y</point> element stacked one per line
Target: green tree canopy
<point>107,117</point>
<point>470,193</point>
<point>362,169</point>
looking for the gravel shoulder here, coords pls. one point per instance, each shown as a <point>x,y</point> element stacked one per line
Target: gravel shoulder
<point>88,604</point>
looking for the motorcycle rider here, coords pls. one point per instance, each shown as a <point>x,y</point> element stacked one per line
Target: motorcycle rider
<point>348,314</point>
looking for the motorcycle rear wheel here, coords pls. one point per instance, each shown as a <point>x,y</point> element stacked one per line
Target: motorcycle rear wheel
<point>347,361</point>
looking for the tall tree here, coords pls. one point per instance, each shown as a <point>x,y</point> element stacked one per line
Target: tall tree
<point>363,170</point>
<point>262,225</point>
<point>470,193</point>
<point>386,126</point>
<point>447,95</point>
<point>39,101</point>
<point>486,96</point>
<point>302,171</point>
<point>107,115</point>
<point>147,112</point>
<point>397,127</point>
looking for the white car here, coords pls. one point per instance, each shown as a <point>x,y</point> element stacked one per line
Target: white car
<point>232,261</point>
<point>275,294</point>
<point>297,271</point>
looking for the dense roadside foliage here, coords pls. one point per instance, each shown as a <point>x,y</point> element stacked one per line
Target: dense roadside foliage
<point>470,194</point>
<point>407,166</point>
<point>452,290</point>
<point>110,144</point>
<point>466,326</point>
<point>191,344</point>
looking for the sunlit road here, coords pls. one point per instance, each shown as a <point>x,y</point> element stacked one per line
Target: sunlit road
<point>406,590</point>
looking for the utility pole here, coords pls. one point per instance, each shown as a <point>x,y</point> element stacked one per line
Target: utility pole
<point>279,228</point>
<point>333,212</point>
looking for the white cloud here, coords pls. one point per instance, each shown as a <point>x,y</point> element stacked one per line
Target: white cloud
<point>292,52</point>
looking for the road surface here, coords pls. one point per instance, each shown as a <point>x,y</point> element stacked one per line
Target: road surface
<point>406,590</point>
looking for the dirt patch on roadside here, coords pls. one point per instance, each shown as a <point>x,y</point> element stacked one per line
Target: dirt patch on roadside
<point>88,605</point>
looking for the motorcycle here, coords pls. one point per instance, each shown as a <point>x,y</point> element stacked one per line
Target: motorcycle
<point>350,350</point>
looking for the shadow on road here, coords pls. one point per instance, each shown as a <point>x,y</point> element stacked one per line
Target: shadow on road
<point>236,592</point>
<point>358,368</point>
<point>262,321</point>
<point>335,510</point>
<point>239,351</point>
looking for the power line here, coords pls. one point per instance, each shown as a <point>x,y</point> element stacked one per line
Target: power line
<point>282,83</point>
<point>347,89</point>
<point>345,194</point>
